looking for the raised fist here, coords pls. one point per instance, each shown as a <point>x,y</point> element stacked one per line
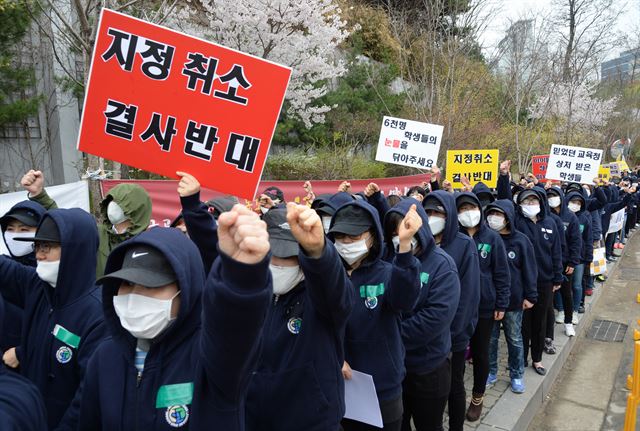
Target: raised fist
<point>33,182</point>
<point>242,235</point>
<point>188,185</point>
<point>306,227</point>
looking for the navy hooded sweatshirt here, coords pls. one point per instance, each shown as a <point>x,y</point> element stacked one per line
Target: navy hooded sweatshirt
<point>543,234</point>
<point>572,253</point>
<point>303,351</point>
<point>615,204</point>
<point>195,373</point>
<point>584,226</point>
<point>521,259</point>
<point>201,227</point>
<point>62,327</point>
<point>12,325</point>
<point>21,405</point>
<point>426,331</point>
<point>494,273</point>
<point>484,193</point>
<point>383,291</point>
<point>463,250</point>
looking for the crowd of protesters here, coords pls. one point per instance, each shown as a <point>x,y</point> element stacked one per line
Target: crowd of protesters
<point>252,319</point>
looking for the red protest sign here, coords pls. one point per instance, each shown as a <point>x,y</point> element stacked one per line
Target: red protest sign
<point>539,166</point>
<point>164,101</point>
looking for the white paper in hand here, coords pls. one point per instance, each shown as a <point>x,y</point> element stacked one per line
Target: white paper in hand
<point>361,399</point>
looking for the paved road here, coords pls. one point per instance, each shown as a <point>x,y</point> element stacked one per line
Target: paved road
<point>590,392</point>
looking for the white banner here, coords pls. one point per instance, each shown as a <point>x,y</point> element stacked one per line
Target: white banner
<point>573,164</point>
<point>72,195</point>
<point>409,143</point>
<point>617,221</point>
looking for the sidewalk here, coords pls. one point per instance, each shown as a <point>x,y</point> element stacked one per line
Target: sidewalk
<point>504,410</point>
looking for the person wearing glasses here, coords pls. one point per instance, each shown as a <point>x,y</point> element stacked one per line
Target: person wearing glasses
<point>63,319</point>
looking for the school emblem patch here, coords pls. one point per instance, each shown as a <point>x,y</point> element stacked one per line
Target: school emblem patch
<point>371,302</point>
<point>177,416</point>
<point>294,325</point>
<point>64,354</point>
<point>512,255</point>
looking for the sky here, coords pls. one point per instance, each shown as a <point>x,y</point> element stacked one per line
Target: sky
<point>511,10</point>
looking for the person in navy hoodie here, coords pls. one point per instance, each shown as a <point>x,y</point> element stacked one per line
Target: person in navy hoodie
<point>182,348</point>
<point>532,220</point>
<point>571,258</point>
<point>63,322</point>
<point>494,292</point>
<point>500,218</point>
<point>303,352</point>
<point>327,207</point>
<point>577,204</point>
<point>383,291</point>
<point>21,221</point>
<point>21,405</point>
<point>426,331</point>
<point>443,222</point>
<point>484,194</point>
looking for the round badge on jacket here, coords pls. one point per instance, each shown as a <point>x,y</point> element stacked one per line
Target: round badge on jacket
<point>177,416</point>
<point>64,354</point>
<point>371,302</point>
<point>294,325</point>
<point>512,254</point>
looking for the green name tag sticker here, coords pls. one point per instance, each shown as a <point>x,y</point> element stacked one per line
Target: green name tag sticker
<point>371,291</point>
<point>424,277</point>
<point>174,395</point>
<point>581,228</point>
<point>67,337</point>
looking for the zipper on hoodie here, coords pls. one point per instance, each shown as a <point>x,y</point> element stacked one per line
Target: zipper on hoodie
<point>276,298</point>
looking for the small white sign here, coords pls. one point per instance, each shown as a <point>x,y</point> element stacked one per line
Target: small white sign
<point>409,143</point>
<point>617,221</point>
<point>573,164</point>
<point>361,399</point>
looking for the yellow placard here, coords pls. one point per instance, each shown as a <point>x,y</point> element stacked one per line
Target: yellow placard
<point>622,164</point>
<point>476,165</point>
<point>604,173</point>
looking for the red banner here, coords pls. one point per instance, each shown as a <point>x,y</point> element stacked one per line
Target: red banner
<point>164,101</point>
<point>166,202</point>
<point>539,166</point>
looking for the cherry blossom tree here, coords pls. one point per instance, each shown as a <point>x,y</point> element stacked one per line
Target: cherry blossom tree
<point>303,35</point>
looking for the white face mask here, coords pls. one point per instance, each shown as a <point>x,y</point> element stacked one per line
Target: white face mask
<point>142,316</point>
<point>469,218</point>
<point>437,224</point>
<point>496,222</point>
<point>19,248</point>
<point>515,199</point>
<point>396,242</point>
<point>48,271</point>
<point>264,210</point>
<point>530,211</point>
<point>573,207</point>
<point>326,222</point>
<point>115,213</point>
<point>285,278</point>
<point>554,201</point>
<point>352,252</point>
<point>588,192</point>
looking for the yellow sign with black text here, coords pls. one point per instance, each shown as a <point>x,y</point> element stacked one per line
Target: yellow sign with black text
<point>476,165</point>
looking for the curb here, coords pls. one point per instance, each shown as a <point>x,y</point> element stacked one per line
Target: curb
<point>516,412</point>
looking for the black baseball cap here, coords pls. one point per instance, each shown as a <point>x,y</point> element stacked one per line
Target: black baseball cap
<point>143,265</point>
<point>283,243</point>
<point>351,220</point>
<point>47,232</point>
<point>465,199</point>
<point>433,204</point>
<point>274,193</point>
<point>526,193</point>
<point>553,191</point>
<point>24,215</point>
